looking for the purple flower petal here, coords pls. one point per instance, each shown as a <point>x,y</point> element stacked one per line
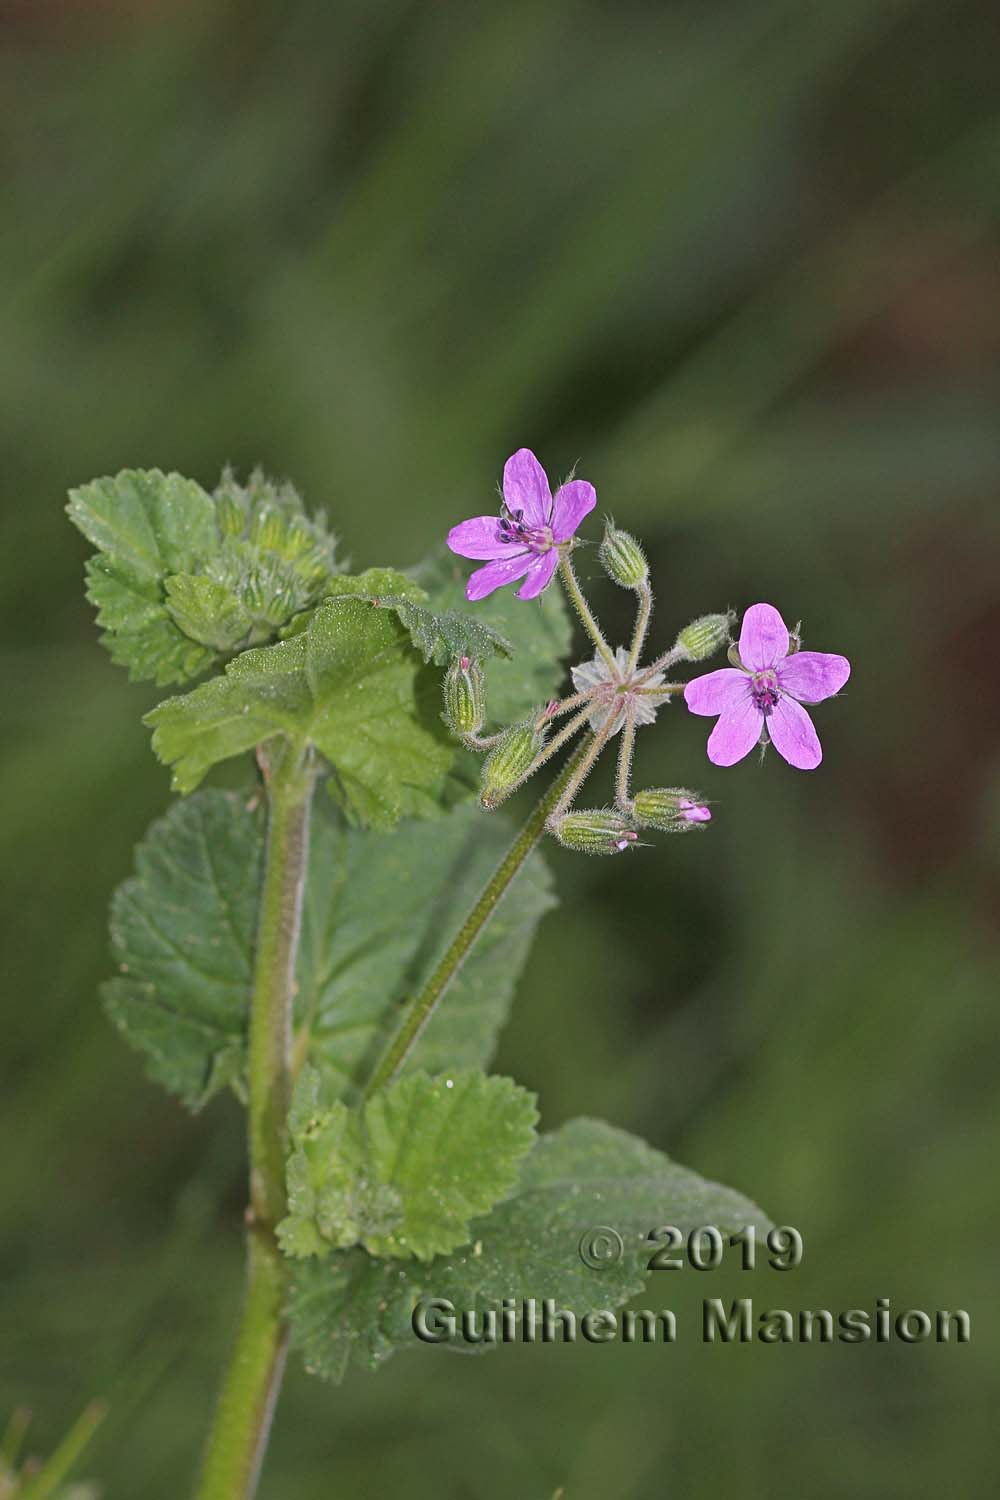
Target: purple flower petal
<point>694,812</point>
<point>495,574</point>
<point>716,691</point>
<point>525,488</point>
<point>763,639</point>
<point>812,676</point>
<point>479,538</point>
<point>538,574</point>
<point>736,733</point>
<point>572,502</point>
<point>793,736</point>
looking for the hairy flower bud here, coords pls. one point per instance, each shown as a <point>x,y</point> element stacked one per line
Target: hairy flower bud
<point>622,558</point>
<point>508,764</point>
<point>600,830</point>
<point>268,530</point>
<point>229,516</point>
<point>671,809</point>
<point>464,696</point>
<point>702,638</point>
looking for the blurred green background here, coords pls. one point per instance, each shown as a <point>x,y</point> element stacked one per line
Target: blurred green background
<point>741,261</point>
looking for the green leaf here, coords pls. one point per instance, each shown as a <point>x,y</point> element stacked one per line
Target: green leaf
<point>145,525</point>
<point>182,931</point>
<point>207,611</point>
<point>350,685</point>
<point>380,911</point>
<point>450,1146</point>
<point>586,1174</point>
<point>538,634</point>
<point>148,522</point>
<point>405,1177</point>
<point>442,637</point>
<point>379,908</point>
<point>438,637</point>
<point>333,1198</point>
<point>376,585</point>
<point>182,579</point>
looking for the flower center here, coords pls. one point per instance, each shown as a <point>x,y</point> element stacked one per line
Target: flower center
<point>764,687</point>
<point>512,531</point>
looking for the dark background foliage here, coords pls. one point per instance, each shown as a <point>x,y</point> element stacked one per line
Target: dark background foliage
<point>740,261</point>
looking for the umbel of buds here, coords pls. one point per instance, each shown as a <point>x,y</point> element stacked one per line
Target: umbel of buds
<point>702,638</point>
<point>510,761</point>
<point>464,697</point>
<point>622,558</point>
<point>601,830</point>
<point>671,809</point>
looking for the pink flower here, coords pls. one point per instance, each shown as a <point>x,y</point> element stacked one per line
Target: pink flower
<point>768,693</point>
<point>523,542</point>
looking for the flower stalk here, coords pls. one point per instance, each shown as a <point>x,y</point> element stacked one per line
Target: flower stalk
<point>570,583</point>
<point>422,1006</point>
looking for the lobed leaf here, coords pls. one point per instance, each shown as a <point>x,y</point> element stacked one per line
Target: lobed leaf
<point>380,911</point>
<point>439,637</point>
<point>350,686</point>
<point>379,908</point>
<point>406,1175</point>
<point>585,1174</point>
<point>145,525</point>
<point>182,931</point>
<point>182,579</point>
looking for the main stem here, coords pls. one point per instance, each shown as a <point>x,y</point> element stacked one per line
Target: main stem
<point>250,1389</point>
<point>422,1005</point>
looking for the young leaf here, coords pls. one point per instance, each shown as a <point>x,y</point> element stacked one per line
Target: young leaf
<point>586,1174</point>
<point>405,1176</point>
<point>145,525</point>
<point>350,685</point>
<point>539,635</point>
<point>450,1146</point>
<point>378,910</point>
<point>182,579</point>
<point>332,1197</point>
<point>207,611</point>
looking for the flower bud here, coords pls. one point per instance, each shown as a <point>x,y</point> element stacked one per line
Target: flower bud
<point>597,831</point>
<point>671,809</point>
<point>464,696</point>
<point>508,764</point>
<point>267,530</point>
<point>230,516</point>
<point>702,638</point>
<point>622,558</point>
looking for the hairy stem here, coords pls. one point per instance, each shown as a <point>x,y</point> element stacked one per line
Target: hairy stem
<point>559,740</point>
<point>564,706</point>
<point>422,1006</point>
<point>661,664</point>
<point>625,748</point>
<point>250,1388</point>
<point>590,625</point>
<point>641,627</point>
<point>580,768</point>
